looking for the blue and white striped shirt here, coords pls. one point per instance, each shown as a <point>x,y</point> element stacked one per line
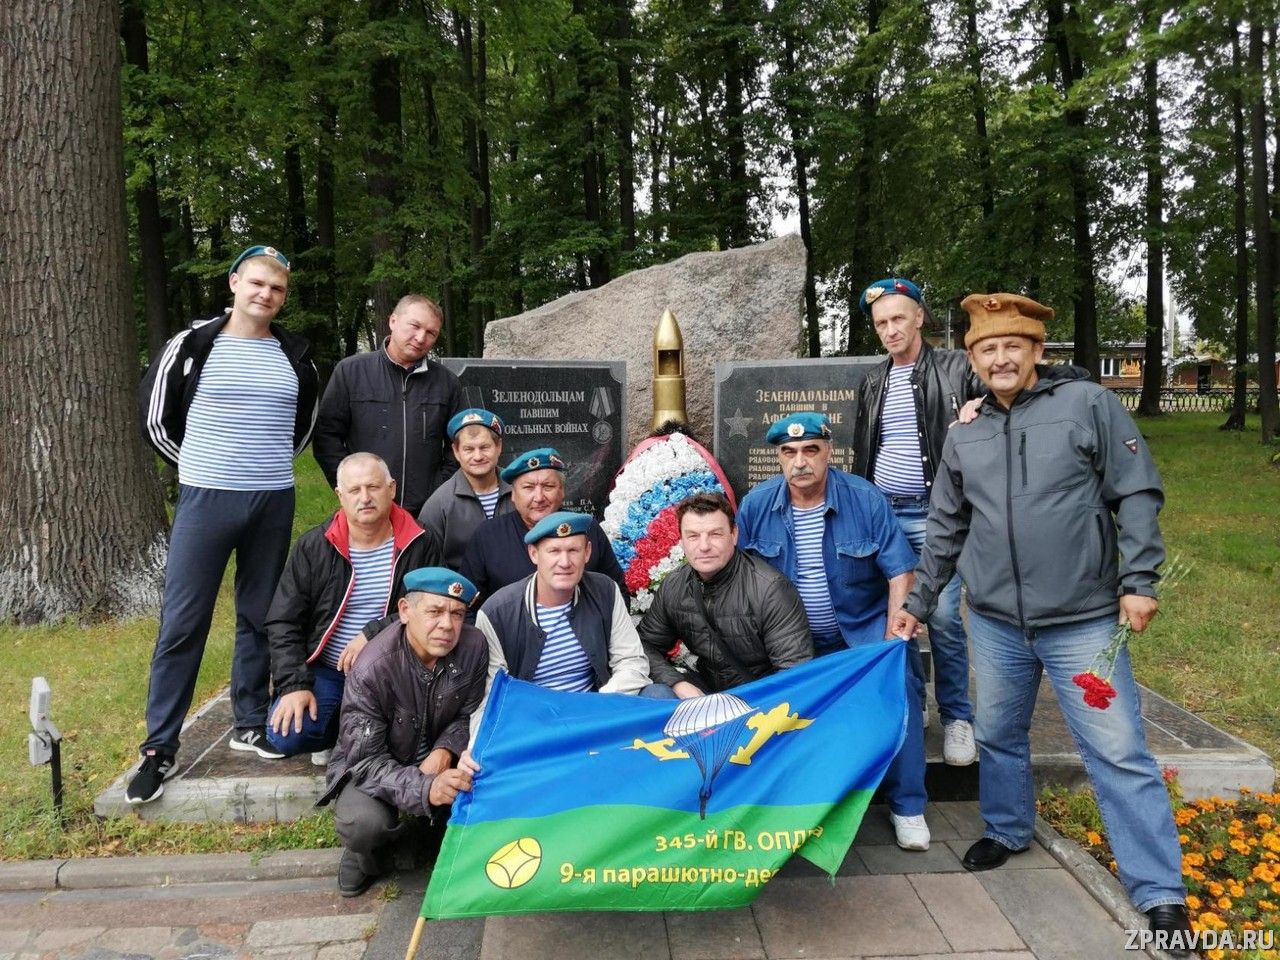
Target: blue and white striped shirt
<point>564,664</point>
<point>239,432</point>
<point>368,600</point>
<point>899,467</point>
<point>811,573</point>
<point>489,501</point>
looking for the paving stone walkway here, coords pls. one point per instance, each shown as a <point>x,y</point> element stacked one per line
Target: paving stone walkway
<point>884,902</point>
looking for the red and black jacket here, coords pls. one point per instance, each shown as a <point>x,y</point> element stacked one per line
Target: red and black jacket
<point>316,585</point>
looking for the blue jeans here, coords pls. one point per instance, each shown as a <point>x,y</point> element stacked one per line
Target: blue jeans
<point>946,630</point>
<point>904,780</point>
<point>322,732</point>
<point>1125,778</point>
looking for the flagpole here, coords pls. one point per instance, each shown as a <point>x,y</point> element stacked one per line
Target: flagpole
<point>416,938</point>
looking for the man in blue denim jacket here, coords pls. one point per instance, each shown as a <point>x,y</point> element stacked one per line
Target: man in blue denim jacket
<point>835,537</point>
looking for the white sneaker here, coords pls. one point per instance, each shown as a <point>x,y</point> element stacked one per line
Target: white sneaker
<point>912,832</point>
<point>321,758</point>
<point>958,748</point>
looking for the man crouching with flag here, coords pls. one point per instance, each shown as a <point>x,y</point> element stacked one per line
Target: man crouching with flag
<point>406,714</point>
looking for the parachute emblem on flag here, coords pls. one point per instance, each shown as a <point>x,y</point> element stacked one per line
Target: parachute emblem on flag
<point>708,728</point>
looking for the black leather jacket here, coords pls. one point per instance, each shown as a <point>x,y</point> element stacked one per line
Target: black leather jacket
<point>943,381</point>
<point>758,612</point>
<point>389,712</point>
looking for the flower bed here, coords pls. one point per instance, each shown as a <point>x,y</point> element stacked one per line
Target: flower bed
<point>1230,857</point>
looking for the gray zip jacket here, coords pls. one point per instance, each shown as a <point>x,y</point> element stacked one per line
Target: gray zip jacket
<point>1034,503</point>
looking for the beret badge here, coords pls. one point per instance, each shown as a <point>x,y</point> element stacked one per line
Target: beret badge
<point>533,462</point>
<point>795,430</point>
<point>991,303</point>
<point>873,294</point>
<point>563,530</point>
<point>455,589</point>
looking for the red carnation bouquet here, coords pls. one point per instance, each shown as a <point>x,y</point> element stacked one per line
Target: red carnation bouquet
<point>1096,681</point>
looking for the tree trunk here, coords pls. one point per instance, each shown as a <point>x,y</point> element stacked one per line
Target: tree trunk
<point>1263,240</point>
<point>1084,298</point>
<point>625,124</point>
<point>737,196</point>
<point>1153,360</point>
<point>800,157</point>
<point>326,220</point>
<point>146,198</point>
<point>973,54</point>
<point>863,265</point>
<point>82,512</point>
<point>1240,376</point>
<point>384,178</point>
<point>592,186</point>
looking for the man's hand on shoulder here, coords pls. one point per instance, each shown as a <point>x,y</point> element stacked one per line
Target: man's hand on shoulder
<point>352,650</point>
<point>446,787</point>
<point>968,413</point>
<point>290,710</point>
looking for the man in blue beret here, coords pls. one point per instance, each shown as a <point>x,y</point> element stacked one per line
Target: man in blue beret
<point>475,493</point>
<point>229,402</point>
<point>833,535</point>
<point>341,580</point>
<point>497,554</point>
<point>430,666</point>
<point>563,626</point>
<point>394,402</point>
<point>905,407</point>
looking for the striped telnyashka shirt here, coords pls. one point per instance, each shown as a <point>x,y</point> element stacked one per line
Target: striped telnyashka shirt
<point>368,601</point>
<point>811,571</point>
<point>564,664</point>
<point>899,469</point>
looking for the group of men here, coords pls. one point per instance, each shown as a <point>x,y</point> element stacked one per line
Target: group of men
<point>364,640</point>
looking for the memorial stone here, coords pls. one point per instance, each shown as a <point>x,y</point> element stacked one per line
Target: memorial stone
<point>575,406</point>
<point>751,395</point>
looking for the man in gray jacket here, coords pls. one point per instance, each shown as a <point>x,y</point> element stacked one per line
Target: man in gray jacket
<point>1047,503</point>
<point>741,617</point>
<point>475,493</point>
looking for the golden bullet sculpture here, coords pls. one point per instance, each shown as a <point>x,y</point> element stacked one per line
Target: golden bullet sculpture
<point>668,372</point>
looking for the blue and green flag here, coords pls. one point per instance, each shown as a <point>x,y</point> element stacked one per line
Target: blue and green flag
<point>590,801</point>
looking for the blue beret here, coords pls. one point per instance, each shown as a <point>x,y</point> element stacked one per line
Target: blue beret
<point>258,251</point>
<point>562,524</point>
<point>544,458</point>
<point>473,416</point>
<point>800,426</point>
<point>889,285</point>
<point>442,581</point>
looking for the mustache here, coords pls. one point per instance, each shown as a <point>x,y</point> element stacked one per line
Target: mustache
<point>802,471</point>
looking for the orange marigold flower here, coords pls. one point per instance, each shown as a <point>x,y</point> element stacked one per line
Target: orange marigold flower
<point>1094,838</point>
<point>1217,853</point>
<point>1264,820</point>
<point>1235,889</point>
<point>1184,816</point>
<point>1275,886</point>
<point>1183,839</point>
<point>1239,846</point>
<point>1216,889</point>
<point>1197,876</point>
<point>1193,902</point>
<point>1224,903</point>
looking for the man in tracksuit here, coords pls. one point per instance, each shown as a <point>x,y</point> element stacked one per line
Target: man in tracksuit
<point>394,402</point>
<point>338,591</point>
<point>1047,504</point>
<point>229,402</point>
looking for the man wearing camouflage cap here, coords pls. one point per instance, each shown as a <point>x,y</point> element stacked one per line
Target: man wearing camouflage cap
<point>1047,505</point>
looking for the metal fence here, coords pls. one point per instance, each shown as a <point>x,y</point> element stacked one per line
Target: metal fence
<point>1214,400</point>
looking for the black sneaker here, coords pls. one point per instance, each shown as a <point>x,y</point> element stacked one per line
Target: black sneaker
<point>254,740</point>
<point>148,782</point>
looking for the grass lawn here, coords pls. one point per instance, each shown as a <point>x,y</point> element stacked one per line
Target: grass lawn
<point>1215,648</point>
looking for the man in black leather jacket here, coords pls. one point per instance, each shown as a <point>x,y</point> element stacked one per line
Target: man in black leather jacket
<point>741,617</point>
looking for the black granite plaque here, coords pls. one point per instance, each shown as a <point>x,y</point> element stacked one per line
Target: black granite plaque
<point>575,406</point>
<point>751,394</point>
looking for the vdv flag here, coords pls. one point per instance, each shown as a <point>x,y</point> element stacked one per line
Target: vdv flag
<point>589,801</point>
